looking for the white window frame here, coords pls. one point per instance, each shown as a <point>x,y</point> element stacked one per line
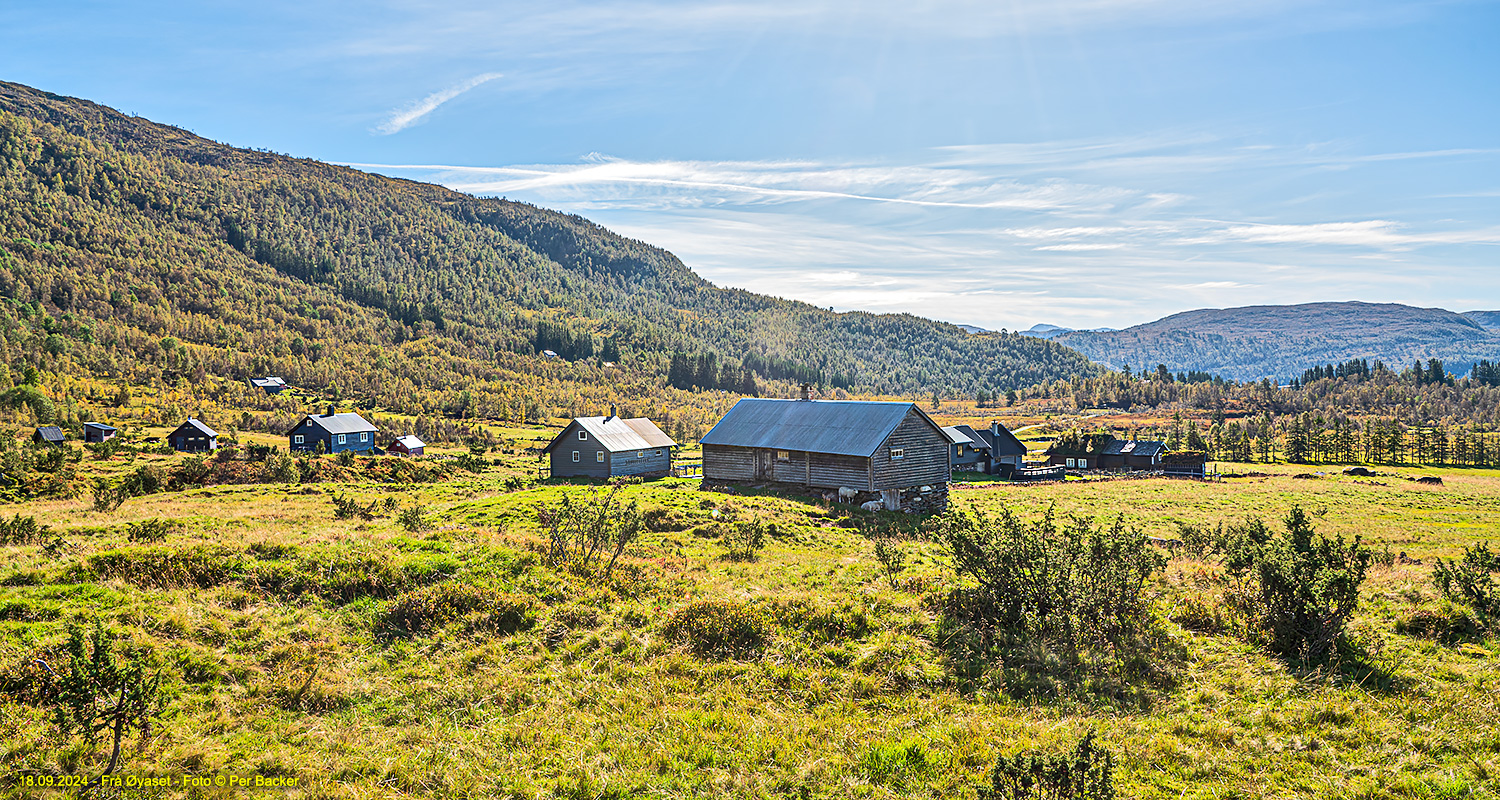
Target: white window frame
<point>640,454</point>
<point>583,436</point>
<point>341,439</point>
<point>783,455</point>
<point>297,439</point>
<point>364,436</point>
<point>598,456</point>
<point>575,456</point>
<point>898,453</point>
<point>1071,462</point>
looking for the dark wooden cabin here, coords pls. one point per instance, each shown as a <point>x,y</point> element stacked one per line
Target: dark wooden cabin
<point>49,434</point>
<point>995,451</point>
<point>338,431</point>
<point>193,437</point>
<point>270,385</point>
<point>95,432</point>
<point>893,449</point>
<point>968,455</point>
<point>1132,455</point>
<point>607,447</point>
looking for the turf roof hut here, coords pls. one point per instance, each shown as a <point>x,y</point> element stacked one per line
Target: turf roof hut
<point>607,447</point>
<point>193,437</point>
<point>891,448</point>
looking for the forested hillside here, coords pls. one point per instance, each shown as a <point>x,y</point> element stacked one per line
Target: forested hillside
<point>1280,342</point>
<point>142,253</point>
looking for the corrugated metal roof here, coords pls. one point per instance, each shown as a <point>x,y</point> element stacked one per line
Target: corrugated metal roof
<point>198,426</point>
<point>268,383</point>
<point>410,442</point>
<point>51,433</point>
<point>956,435</point>
<point>99,425</point>
<point>618,435</point>
<point>840,427</point>
<point>342,422</point>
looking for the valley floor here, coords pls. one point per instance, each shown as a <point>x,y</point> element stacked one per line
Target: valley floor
<point>270,620</point>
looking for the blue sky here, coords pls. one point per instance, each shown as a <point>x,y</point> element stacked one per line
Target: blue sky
<point>1079,162</point>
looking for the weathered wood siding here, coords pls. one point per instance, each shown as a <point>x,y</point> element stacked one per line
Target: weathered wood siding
<point>925,461</point>
<point>651,462</point>
<point>835,472</point>
<point>727,463</point>
<point>588,464</point>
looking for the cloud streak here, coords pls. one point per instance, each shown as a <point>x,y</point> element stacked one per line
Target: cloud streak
<point>405,117</point>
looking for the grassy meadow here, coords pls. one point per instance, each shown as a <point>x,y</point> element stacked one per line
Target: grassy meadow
<point>272,623</point>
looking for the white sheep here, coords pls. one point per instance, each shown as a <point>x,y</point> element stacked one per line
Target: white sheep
<point>846,494</point>
<point>873,505</point>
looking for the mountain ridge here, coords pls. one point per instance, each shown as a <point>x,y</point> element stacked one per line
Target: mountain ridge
<point>1278,341</point>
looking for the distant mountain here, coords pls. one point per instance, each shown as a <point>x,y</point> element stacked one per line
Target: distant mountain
<point>1042,330</point>
<point>1256,342</point>
<point>137,250</point>
<point>972,328</point>
<point>1489,320</point>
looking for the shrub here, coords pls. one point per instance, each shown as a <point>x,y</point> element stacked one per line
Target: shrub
<point>413,520</point>
<point>719,628</point>
<point>345,507</point>
<point>1087,773</point>
<point>660,519</point>
<point>581,529</point>
<point>98,694</point>
<point>891,557</point>
<point>1055,606</point>
<point>23,530</point>
<point>745,540</point>
<point>432,607</point>
<point>1302,586</point>
<point>822,623</point>
<point>345,458</point>
<point>193,471</point>
<point>1469,579</point>
<point>163,567</point>
<point>278,468</point>
<point>151,530</point>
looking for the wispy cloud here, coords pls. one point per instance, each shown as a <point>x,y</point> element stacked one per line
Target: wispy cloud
<point>403,118</point>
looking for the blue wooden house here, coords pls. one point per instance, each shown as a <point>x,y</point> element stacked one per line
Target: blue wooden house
<point>338,431</point>
<point>193,437</point>
<point>604,447</point>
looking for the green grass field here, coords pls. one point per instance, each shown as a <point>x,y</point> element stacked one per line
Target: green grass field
<point>849,697</point>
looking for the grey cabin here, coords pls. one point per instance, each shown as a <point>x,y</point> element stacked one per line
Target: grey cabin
<point>269,385</point>
<point>995,451</point>
<point>338,431</point>
<point>607,447</point>
<point>193,437</point>
<point>893,449</point>
<point>95,432</point>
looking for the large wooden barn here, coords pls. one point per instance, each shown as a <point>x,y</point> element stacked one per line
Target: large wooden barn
<point>607,447</point>
<point>892,449</point>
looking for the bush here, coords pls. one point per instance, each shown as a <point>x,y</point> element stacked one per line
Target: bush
<point>1085,774</point>
<point>582,529</point>
<point>1469,579</point>
<point>719,628</point>
<point>345,458</point>
<point>193,471</point>
<point>1302,587</point>
<point>278,468</point>
<point>660,519</point>
<point>432,607</point>
<point>745,540</point>
<point>413,520</point>
<point>151,530</point>
<point>23,530</point>
<point>164,567</point>
<point>822,623</point>
<point>345,507</point>
<point>1056,606</point>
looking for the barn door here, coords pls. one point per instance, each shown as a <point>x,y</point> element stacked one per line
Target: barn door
<point>763,464</point>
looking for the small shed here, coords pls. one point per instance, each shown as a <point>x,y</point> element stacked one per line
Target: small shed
<point>49,434</point>
<point>408,445</point>
<point>338,431</point>
<point>893,449</point>
<point>95,432</point>
<point>1184,464</point>
<point>606,447</point>
<point>193,437</point>
<point>269,385</point>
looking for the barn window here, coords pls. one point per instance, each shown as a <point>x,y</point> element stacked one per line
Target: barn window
<point>341,438</point>
<point>583,436</point>
<point>782,455</point>
<point>575,456</point>
<point>599,457</point>
<point>898,452</point>
<point>640,454</point>
<point>1072,462</point>
<point>297,439</point>
<point>364,437</point>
